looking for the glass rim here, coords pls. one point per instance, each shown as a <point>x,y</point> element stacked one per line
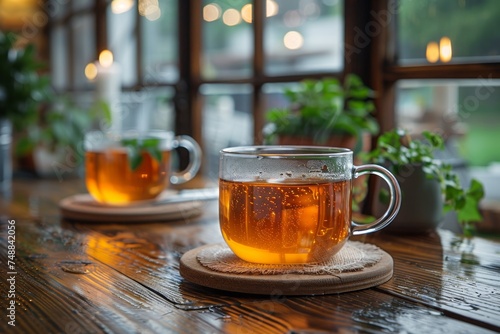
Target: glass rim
<point>285,151</point>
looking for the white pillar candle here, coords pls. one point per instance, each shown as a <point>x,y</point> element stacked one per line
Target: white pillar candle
<point>108,87</point>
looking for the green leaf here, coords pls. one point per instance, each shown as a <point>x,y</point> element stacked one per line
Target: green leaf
<point>134,157</point>
<point>476,190</point>
<point>398,149</point>
<point>24,146</point>
<point>321,108</point>
<point>469,212</point>
<point>135,148</point>
<point>155,153</point>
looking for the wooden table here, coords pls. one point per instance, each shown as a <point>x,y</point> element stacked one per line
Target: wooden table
<point>111,278</point>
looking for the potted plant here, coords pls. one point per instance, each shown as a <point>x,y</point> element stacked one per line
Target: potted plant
<point>54,142</point>
<point>429,186</point>
<point>327,112</point>
<point>324,112</point>
<point>21,91</point>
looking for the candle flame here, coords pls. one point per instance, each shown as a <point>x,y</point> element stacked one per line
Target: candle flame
<point>91,71</point>
<point>445,51</point>
<point>432,52</point>
<point>106,58</point>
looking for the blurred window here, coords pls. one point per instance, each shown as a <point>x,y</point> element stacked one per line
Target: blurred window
<point>448,31</point>
<point>122,41</point>
<point>159,38</point>
<point>227,39</point>
<point>227,121</point>
<point>446,74</point>
<point>83,51</point>
<point>302,36</point>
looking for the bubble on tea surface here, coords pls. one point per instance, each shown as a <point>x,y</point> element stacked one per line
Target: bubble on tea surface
<point>289,173</point>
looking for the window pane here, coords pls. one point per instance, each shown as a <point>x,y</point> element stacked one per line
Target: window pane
<point>56,9</point>
<point>152,108</point>
<point>82,4</point>
<point>82,33</point>
<point>227,40</point>
<point>465,112</point>
<point>227,121</point>
<point>295,40</point>
<point>123,44</point>
<point>59,58</point>
<point>448,31</point>
<point>159,40</point>
<point>274,97</point>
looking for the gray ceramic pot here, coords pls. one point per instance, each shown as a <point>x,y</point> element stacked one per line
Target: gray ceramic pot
<point>422,203</point>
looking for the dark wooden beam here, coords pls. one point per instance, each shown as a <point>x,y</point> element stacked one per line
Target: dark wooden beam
<point>357,38</point>
<point>259,8</point>
<point>183,90</point>
<point>101,26</point>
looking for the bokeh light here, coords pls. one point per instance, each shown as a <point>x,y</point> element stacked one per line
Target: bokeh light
<point>445,51</point>
<point>106,58</point>
<point>272,8</point>
<point>121,6</point>
<point>211,12</point>
<point>247,13</point>
<point>150,9</point>
<point>231,17</point>
<point>292,18</point>
<point>152,13</point>
<point>91,71</point>
<point>432,52</point>
<point>293,40</point>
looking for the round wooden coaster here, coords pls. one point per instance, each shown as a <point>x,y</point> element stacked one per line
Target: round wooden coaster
<point>288,284</point>
<point>83,207</point>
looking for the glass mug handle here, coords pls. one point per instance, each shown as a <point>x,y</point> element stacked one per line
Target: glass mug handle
<point>395,199</point>
<point>193,166</point>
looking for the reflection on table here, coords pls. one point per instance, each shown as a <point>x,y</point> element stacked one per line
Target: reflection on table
<point>74,277</point>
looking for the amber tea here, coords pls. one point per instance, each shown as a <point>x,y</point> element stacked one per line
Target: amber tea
<point>127,167</point>
<point>288,222</point>
<point>292,204</point>
<point>111,179</point>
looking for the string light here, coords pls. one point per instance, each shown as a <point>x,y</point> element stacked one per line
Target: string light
<point>293,40</point>
<point>272,8</point>
<point>121,6</point>
<point>211,12</point>
<point>246,13</point>
<point>231,17</point>
<point>150,9</point>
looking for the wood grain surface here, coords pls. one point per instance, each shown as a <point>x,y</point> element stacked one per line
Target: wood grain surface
<point>112,278</point>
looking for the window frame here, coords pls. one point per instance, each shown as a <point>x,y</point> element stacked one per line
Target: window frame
<point>385,56</point>
<point>375,62</point>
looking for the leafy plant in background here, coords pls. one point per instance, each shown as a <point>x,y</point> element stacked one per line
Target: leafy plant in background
<point>397,150</point>
<point>21,88</point>
<point>321,108</point>
<point>62,125</point>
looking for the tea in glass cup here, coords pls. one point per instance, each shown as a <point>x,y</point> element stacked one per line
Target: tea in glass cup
<point>126,168</point>
<point>292,204</point>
